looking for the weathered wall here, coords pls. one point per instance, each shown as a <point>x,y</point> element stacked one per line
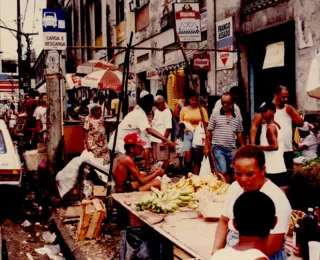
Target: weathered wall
<point>309,11</point>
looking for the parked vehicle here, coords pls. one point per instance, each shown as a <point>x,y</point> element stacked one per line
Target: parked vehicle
<point>10,164</point>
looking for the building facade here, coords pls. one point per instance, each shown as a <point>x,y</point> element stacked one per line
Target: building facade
<point>273,42</point>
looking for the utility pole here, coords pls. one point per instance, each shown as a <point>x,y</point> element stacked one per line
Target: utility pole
<point>19,50</point>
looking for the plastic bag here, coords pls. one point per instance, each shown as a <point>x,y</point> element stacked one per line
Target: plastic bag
<point>205,169</point>
<point>179,147</point>
<point>199,137</point>
<point>67,178</point>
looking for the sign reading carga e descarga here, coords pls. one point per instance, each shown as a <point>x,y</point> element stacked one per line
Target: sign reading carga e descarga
<point>54,29</point>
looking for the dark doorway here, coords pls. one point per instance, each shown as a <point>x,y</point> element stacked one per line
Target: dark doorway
<point>263,81</point>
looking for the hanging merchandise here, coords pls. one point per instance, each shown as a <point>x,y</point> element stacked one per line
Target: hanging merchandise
<point>199,137</point>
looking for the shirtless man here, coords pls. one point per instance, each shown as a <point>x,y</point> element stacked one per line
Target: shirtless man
<point>126,173</point>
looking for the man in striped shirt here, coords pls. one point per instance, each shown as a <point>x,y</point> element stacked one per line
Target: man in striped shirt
<point>224,126</point>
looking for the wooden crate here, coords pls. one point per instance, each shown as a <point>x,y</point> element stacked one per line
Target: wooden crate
<point>92,215</point>
<point>179,254</point>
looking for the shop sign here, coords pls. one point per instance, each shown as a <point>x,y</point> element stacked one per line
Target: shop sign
<point>121,31</point>
<point>201,62</point>
<point>152,74</point>
<point>224,37</point>
<point>188,25</point>
<point>204,21</point>
<point>54,29</point>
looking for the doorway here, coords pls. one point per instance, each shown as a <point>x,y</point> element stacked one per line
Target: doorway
<point>262,82</point>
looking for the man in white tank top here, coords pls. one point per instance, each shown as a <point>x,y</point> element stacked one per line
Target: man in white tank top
<point>272,144</point>
<point>284,116</point>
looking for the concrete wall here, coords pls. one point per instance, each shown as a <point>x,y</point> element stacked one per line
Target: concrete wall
<point>307,10</point>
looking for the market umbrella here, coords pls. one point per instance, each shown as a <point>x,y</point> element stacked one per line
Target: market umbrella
<point>73,81</point>
<point>94,65</point>
<point>105,80</point>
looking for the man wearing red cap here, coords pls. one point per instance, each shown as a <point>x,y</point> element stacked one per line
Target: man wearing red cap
<point>126,173</point>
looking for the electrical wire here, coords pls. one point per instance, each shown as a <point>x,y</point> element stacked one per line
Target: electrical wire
<point>25,13</point>
<point>8,28</point>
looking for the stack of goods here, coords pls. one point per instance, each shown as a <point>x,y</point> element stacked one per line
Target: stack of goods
<point>185,193</point>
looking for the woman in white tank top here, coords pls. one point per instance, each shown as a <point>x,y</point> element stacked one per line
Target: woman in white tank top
<point>272,144</point>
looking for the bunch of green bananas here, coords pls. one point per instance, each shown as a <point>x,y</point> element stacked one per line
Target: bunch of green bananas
<point>167,202</point>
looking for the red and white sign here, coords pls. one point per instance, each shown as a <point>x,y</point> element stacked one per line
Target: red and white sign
<point>224,39</point>
<point>152,74</point>
<point>188,21</point>
<point>201,62</point>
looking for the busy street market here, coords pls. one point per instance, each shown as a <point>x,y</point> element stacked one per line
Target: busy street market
<point>160,130</point>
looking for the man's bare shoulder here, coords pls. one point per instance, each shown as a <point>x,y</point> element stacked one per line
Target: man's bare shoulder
<point>123,159</point>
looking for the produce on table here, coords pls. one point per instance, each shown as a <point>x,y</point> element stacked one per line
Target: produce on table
<point>185,193</point>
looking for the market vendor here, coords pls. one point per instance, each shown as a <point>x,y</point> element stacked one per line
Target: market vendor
<point>307,146</point>
<point>137,122</point>
<point>125,171</point>
<point>249,164</point>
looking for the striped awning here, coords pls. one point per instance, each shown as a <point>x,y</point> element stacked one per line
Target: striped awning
<point>6,85</point>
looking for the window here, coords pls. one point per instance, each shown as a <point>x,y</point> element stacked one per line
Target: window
<point>142,17</point>
<point>3,148</point>
<point>98,20</point>
<point>119,11</point>
<point>165,20</point>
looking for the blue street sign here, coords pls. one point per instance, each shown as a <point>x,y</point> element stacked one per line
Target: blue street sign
<point>53,20</point>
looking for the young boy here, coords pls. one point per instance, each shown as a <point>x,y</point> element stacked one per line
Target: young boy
<point>254,217</point>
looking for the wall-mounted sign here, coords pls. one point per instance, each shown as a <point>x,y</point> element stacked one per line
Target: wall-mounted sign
<point>152,74</point>
<point>201,62</point>
<point>188,21</point>
<point>54,29</point>
<point>224,36</point>
<point>204,21</point>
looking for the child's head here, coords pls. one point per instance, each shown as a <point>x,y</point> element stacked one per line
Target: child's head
<point>254,214</point>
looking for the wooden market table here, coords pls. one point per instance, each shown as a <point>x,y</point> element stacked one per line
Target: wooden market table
<point>191,236</point>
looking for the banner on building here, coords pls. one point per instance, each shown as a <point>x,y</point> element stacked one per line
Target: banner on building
<point>188,25</point>
<point>201,62</point>
<point>54,29</point>
<point>121,31</point>
<point>224,37</point>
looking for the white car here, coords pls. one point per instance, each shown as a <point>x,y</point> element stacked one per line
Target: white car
<point>50,19</point>
<point>10,164</point>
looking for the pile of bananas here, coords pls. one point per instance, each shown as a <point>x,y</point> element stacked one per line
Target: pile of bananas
<point>168,201</point>
<point>185,193</point>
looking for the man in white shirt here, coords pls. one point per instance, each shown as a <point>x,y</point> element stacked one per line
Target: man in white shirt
<point>249,164</point>
<point>162,122</point>
<point>40,113</point>
<point>285,115</point>
<point>136,122</point>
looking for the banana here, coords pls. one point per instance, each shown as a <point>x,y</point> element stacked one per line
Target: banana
<point>185,198</point>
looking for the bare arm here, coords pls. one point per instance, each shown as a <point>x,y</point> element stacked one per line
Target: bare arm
<point>166,134</point>
<point>206,147</point>
<point>272,136</point>
<point>240,138</point>
<point>221,234</point>
<point>301,148</point>
<point>136,173</point>
<point>156,134</point>
<point>254,127</point>
<point>274,244</point>
<point>296,118</point>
